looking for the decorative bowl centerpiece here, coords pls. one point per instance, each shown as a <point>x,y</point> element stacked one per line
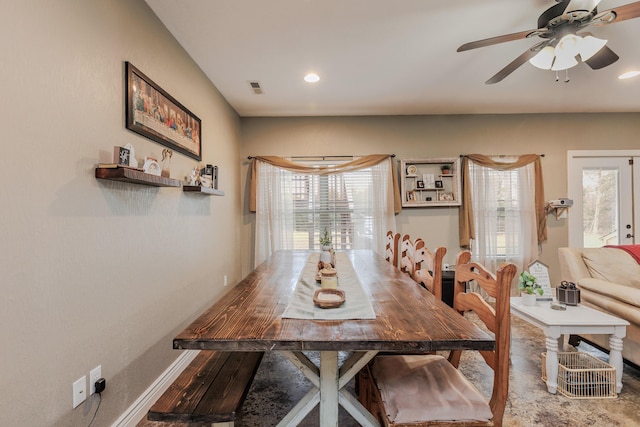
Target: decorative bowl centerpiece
<point>328,298</point>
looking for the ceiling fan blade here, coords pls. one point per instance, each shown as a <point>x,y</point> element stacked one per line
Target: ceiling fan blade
<point>494,40</point>
<point>603,58</point>
<point>628,11</point>
<point>512,66</point>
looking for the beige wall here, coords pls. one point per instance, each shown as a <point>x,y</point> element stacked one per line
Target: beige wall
<point>97,272</point>
<point>103,273</point>
<point>443,136</point>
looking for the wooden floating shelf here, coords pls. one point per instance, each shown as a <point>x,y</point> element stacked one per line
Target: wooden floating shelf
<point>196,189</point>
<point>136,177</point>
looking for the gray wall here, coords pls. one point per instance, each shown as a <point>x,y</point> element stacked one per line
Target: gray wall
<point>443,136</point>
<point>96,272</point>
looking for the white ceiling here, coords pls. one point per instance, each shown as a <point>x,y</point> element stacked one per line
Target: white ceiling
<point>390,57</point>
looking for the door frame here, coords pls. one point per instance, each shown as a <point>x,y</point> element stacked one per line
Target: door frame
<point>635,181</point>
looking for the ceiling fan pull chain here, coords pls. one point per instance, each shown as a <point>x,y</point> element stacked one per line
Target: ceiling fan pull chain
<point>566,78</point>
<point>557,77</point>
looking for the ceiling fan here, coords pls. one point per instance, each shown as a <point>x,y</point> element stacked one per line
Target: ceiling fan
<point>559,27</point>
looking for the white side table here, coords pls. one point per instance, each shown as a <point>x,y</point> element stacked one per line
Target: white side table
<point>574,320</point>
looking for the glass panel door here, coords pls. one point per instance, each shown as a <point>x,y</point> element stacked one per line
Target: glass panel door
<point>602,191</point>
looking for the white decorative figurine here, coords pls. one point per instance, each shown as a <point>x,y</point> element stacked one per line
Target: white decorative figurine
<point>195,176</point>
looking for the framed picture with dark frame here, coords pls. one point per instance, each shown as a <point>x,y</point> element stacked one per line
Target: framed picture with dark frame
<point>419,184</point>
<point>153,113</point>
<point>439,184</point>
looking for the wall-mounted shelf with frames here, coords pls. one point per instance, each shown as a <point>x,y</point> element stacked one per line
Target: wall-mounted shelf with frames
<point>430,182</point>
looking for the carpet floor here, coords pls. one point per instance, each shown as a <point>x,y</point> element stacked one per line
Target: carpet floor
<point>279,385</point>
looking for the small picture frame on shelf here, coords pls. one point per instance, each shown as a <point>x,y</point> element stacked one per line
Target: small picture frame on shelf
<point>151,166</point>
<point>411,196</point>
<point>419,184</point>
<point>429,180</point>
<point>439,184</point>
<point>427,199</point>
<point>446,197</point>
<point>121,156</point>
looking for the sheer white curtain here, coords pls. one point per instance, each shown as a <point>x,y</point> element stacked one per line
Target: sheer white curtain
<point>274,211</point>
<point>381,196</point>
<point>504,216</point>
<point>370,212</point>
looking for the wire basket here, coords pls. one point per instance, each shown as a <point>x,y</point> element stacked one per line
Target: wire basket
<point>583,376</point>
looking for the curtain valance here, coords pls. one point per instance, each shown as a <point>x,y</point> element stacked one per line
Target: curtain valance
<point>467,230</point>
<point>354,165</point>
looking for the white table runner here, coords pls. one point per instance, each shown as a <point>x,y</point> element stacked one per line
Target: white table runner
<point>356,305</point>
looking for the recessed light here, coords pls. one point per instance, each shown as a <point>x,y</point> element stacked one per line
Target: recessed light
<point>629,74</point>
<point>311,78</point>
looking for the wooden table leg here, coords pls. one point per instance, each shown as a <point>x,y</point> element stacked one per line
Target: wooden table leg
<point>348,370</point>
<point>615,354</point>
<point>328,391</point>
<point>552,363</point>
<point>329,388</point>
<point>301,410</point>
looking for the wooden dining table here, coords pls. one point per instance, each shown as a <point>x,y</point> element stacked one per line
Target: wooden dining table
<point>407,318</point>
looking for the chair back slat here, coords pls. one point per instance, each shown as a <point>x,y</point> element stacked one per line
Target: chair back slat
<point>406,255</point>
<point>474,302</point>
<point>391,254</point>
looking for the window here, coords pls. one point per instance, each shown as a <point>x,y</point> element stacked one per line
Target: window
<point>294,208</point>
<point>322,202</point>
<point>504,215</point>
<point>508,207</point>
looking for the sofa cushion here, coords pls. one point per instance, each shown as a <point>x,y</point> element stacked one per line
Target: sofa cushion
<point>613,265</point>
<point>626,294</point>
<point>615,307</point>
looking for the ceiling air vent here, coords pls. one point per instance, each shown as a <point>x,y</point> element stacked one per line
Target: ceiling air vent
<point>256,87</point>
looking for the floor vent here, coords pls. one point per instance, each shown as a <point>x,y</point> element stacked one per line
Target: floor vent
<point>256,87</point>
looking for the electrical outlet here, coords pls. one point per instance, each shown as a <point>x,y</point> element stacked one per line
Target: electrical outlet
<point>225,280</point>
<point>94,375</point>
<point>79,391</point>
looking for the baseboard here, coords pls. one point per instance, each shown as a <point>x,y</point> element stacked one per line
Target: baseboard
<point>138,410</point>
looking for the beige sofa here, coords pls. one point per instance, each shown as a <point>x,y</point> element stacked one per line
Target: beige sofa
<point>609,281</point>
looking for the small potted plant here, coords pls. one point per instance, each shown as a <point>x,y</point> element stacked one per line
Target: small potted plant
<point>325,239</point>
<point>529,288</point>
<point>325,243</point>
<point>446,169</point>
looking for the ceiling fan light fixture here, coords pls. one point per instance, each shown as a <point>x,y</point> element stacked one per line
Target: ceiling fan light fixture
<point>544,58</point>
<point>563,62</point>
<point>569,45</point>
<point>566,51</point>
<point>590,46</point>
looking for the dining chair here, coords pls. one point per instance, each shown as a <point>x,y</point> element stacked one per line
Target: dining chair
<point>428,390</point>
<point>427,269</point>
<point>423,266</point>
<point>393,240</point>
<point>406,255</point>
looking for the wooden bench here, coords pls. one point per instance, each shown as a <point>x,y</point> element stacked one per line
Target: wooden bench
<point>210,390</point>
